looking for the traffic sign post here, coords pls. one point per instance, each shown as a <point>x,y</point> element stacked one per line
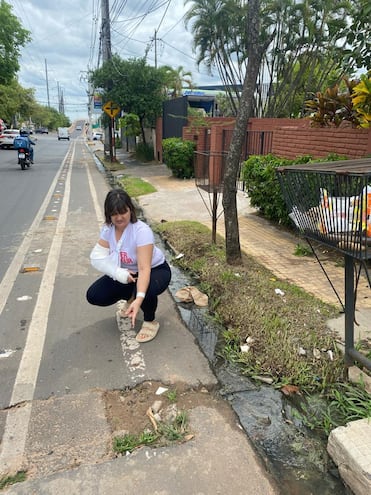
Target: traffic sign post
<point>112,109</point>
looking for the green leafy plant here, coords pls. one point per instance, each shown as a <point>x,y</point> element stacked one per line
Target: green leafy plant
<point>129,442</point>
<point>262,185</point>
<point>130,124</point>
<point>361,98</point>
<point>178,156</point>
<point>340,403</point>
<point>144,152</point>
<point>172,395</point>
<point>334,106</point>
<point>165,432</point>
<point>11,480</point>
<point>301,250</point>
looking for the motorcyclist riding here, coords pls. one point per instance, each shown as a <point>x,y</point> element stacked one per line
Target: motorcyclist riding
<point>25,134</point>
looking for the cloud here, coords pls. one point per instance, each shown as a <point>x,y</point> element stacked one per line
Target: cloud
<point>66,41</point>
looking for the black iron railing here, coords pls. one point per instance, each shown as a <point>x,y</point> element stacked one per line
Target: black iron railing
<point>330,202</point>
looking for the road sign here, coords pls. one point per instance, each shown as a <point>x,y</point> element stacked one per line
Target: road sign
<point>111,108</point>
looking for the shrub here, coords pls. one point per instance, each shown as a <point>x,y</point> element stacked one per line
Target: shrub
<point>144,152</point>
<point>262,185</point>
<point>178,156</point>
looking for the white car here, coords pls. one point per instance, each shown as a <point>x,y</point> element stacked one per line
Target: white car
<point>7,138</point>
<point>97,136</point>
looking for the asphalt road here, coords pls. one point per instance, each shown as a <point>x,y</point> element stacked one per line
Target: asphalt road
<point>51,342</point>
<point>58,354</point>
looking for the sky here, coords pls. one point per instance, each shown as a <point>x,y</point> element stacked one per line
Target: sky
<point>65,44</point>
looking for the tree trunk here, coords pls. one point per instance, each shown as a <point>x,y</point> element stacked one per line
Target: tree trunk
<point>246,109</point>
<point>142,131</point>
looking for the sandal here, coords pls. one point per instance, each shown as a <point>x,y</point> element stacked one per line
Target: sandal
<point>148,331</point>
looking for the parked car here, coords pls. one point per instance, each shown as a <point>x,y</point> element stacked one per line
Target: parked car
<point>97,136</point>
<point>7,138</point>
<point>78,128</point>
<point>42,130</point>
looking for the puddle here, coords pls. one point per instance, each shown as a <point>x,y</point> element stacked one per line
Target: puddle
<point>298,460</point>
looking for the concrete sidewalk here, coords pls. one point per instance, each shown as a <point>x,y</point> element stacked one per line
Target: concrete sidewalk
<point>274,248</point>
<point>220,458</point>
<point>68,449</point>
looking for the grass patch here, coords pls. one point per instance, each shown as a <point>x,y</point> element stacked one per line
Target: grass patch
<point>282,329</point>
<point>272,329</point>
<point>135,187</point>
<point>338,405</point>
<point>301,250</point>
<point>11,480</point>
<point>286,332</point>
<point>164,434</point>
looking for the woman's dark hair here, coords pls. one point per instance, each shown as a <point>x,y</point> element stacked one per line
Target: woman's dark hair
<point>118,201</point>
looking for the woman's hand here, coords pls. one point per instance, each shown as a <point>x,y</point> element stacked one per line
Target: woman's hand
<point>132,278</point>
<point>133,309</point>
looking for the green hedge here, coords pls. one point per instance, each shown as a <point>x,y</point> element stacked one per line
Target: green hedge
<point>262,185</point>
<point>178,156</point>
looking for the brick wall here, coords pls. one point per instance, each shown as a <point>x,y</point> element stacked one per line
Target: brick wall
<point>290,142</point>
<point>291,137</point>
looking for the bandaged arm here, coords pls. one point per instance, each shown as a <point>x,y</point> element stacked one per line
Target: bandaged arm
<point>101,261</point>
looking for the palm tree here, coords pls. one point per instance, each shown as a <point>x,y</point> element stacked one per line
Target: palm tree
<point>175,80</point>
<point>304,39</point>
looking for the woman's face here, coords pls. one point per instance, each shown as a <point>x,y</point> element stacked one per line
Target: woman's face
<point>121,220</point>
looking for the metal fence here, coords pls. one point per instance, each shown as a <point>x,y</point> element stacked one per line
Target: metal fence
<point>330,202</point>
<point>206,162</point>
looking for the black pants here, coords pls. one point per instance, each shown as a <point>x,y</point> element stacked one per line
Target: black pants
<point>106,291</point>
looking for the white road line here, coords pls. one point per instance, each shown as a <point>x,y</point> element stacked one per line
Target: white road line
<point>17,421</point>
<point>98,210</point>
<point>13,270</point>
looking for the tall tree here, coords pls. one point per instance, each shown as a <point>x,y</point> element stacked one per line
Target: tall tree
<point>12,38</point>
<point>255,50</point>
<point>305,42</point>
<point>135,86</point>
<point>175,80</point>
<point>358,36</point>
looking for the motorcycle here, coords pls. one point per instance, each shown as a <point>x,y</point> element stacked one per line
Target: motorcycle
<point>24,158</point>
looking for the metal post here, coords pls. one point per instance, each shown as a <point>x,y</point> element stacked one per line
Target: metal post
<point>214,216</point>
<point>113,141</point>
<point>349,308</point>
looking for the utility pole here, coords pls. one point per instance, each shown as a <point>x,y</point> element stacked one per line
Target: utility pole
<point>47,82</point>
<point>106,32</point>
<point>107,55</point>
<point>155,49</point>
<point>59,97</point>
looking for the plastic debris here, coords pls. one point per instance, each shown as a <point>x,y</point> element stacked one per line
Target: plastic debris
<point>24,298</point>
<point>4,353</point>
<point>161,390</point>
<point>302,351</point>
<point>244,348</point>
<point>279,292</point>
<point>156,406</point>
<point>317,353</point>
<point>264,379</point>
<point>330,354</point>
